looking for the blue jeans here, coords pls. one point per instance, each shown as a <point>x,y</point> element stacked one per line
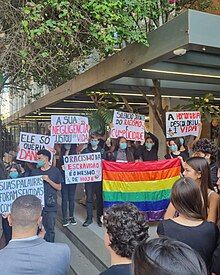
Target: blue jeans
<point>91,189</point>
<point>68,195</point>
<point>49,219</point>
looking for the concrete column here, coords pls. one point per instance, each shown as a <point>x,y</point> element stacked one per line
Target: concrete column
<point>157,131</point>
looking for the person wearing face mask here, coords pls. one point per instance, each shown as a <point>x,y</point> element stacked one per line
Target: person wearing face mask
<point>92,188</point>
<point>52,183</point>
<point>150,148</point>
<point>68,190</point>
<point>173,151</point>
<point>122,153</point>
<point>14,172</point>
<point>183,148</point>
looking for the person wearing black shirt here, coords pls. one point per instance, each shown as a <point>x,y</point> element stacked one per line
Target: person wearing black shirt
<point>52,183</point>
<point>150,148</point>
<point>174,151</point>
<point>190,227</point>
<point>207,149</point>
<point>68,190</point>
<point>125,227</point>
<point>92,188</point>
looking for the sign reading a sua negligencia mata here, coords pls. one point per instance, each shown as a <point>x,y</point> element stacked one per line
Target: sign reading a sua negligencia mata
<point>83,168</point>
<point>70,128</point>
<point>180,124</point>
<point>11,189</point>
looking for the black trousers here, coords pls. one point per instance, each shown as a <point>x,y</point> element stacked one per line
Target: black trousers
<point>48,220</point>
<point>68,195</point>
<point>91,189</point>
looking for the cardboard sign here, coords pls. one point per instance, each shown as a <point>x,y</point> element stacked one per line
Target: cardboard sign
<point>13,188</point>
<point>70,129</point>
<point>180,124</point>
<point>30,144</point>
<point>83,168</point>
<point>128,125</point>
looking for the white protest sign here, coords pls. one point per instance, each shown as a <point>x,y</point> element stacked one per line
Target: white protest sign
<point>70,128</point>
<point>180,124</point>
<point>128,125</point>
<point>13,188</point>
<point>30,144</point>
<point>83,168</point>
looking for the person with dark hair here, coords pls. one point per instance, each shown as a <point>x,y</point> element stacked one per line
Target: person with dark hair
<point>150,148</point>
<point>52,183</point>
<point>68,190</point>
<point>121,153</point>
<point>183,148</point>
<point>164,256</point>
<point>190,226</point>
<point>27,253</point>
<point>207,149</point>
<point>125,228</point>
<point>173,150</point>
<point>92,188</point>
<point>14,171</point>
<point>197,168</point>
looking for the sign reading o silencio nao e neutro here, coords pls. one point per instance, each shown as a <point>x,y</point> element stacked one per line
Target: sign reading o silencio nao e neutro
<point>83,168</point>
<point>180,124</point>
<point>70,128</point>
<point>30,144</point>
<point>128,125</point>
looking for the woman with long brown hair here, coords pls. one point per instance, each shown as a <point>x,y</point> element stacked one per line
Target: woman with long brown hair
<point>197,168</point>
<point>190,227</point>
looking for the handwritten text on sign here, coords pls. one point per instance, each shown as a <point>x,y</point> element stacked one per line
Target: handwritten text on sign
<point>13,188</point>
<point>70,129</point>
<point>179,124</point>
<point>83,168</point>
<point>30,144</point>
<point>128,125</point>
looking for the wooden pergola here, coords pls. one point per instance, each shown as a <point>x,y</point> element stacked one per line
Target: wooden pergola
<point>184,54</point>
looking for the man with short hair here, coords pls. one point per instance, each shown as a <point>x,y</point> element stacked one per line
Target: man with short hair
<point>125,227</point>
<point>27,253</point>
<point>52,183</point>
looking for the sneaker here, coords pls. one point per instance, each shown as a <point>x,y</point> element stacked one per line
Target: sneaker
<point>87,223</point>
<point>73,221</point>
<point>65,222</point>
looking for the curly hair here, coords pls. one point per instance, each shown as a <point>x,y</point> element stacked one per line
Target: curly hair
<point>126,227</point>
<point>206,146</point>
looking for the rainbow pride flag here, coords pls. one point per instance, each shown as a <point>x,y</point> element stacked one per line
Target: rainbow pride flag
<point>145,184</point>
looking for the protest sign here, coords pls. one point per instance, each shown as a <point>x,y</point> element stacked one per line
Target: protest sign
<point>128,125</point>
<point>70,128</point>
<point>30,144</point>
<point>13,188</point>
<point>180,124</point>
<point>83,168</point>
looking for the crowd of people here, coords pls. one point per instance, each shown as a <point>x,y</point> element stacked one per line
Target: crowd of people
<point>188,236</point>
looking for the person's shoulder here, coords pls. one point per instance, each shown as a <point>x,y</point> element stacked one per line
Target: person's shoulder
<point>121,269</point>
<point>57,248</point>
<point>35,172</point>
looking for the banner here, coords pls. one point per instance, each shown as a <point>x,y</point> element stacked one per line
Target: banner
<point>13,188</point>
<point>30,144</point>
<point>180,124</point>
<point>145,184</point>
<point>70,129</point>
<point>83,168</point>
<point>128,125</point>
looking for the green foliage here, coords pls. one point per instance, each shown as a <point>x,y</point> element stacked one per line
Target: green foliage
<point>202,104</point>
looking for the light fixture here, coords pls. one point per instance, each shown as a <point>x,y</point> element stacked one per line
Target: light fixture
<point>179,52</point>
<point>181,73</point>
